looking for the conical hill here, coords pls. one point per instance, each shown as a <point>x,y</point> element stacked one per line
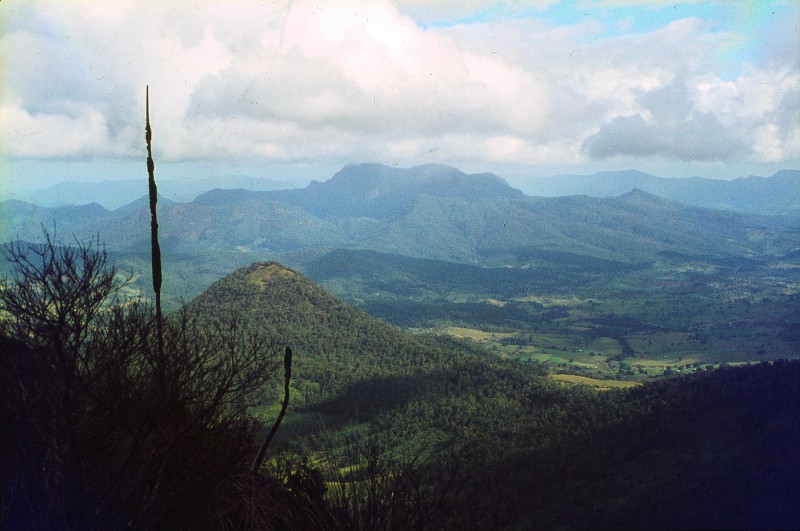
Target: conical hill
<point>334,343</point>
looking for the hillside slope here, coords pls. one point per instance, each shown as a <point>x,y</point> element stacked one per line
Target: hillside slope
<point>335,343</point>
<point>632,227</point>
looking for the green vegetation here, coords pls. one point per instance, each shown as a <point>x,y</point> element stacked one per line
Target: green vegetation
<point>565,363</point>
<point>112,419</point>
<point>470,430</point>
<point>646,284</point>
<point>386,429</point>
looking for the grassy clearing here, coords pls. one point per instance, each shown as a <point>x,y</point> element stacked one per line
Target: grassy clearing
<point>601,385</point>
<point>474,334</point>
<point>553,300</point>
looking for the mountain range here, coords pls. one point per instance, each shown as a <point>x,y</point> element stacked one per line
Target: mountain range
<point>112,194</point>
<point>776,195</point>
<point>426,212</point>
<point>431,212</point>
<point>633,282</point>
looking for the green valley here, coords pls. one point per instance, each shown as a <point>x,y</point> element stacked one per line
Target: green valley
<point>592,318</point>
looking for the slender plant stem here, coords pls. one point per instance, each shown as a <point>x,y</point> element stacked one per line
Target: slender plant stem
<point>155,248</point>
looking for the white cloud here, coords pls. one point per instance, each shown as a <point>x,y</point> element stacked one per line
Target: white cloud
<point>82,132</point>
<point>361,80</point>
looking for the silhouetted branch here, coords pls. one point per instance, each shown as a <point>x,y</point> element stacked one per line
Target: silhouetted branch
<point>287,375</point>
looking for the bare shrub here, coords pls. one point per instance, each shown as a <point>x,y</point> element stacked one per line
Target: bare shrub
<point>102,429</point>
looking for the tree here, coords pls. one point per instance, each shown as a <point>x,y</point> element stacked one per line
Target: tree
<point>56,291</point>
<point>101,431</point>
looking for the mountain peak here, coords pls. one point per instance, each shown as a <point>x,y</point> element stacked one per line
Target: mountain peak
<point>434,169</point>
<point>262,274</point>
<point>279,294</point>
<point>639,196</point>
<point>377,173</point>
<point>295,311</point>
<point>380,191</point>
<point>142,203</point>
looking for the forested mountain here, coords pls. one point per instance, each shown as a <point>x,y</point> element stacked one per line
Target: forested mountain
<point>376,191</point>
<point>631,227</point>
<point>335,343</point>
<point>778,194</point>
<point>615,277</point>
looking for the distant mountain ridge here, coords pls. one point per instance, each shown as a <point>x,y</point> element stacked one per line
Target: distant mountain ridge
<point>430,211</point>
<point>376,190</point>
<point>383,191</point>
<point>115,194</point>
<point>775,195</point>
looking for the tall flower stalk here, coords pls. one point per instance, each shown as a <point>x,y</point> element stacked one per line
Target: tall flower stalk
<point>155,248</point>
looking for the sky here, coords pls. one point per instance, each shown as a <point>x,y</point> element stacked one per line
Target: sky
<point>294,90</point>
